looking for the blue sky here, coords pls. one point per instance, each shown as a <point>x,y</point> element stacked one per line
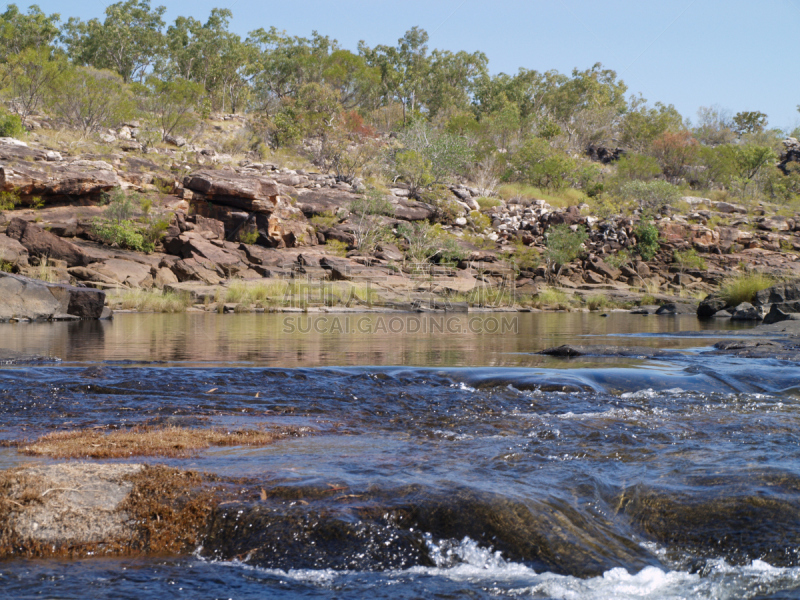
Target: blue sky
<point>739,54</point>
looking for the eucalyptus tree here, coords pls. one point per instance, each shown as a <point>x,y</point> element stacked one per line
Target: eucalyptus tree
<point>21,31</point>
<point>129,41</point>
<point>404,69</point>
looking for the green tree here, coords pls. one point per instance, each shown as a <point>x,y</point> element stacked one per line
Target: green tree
<point>431,156</point>
<point>749,122</point>
<point>88,100</point>
<point>129,41</point>
<point>642,124</point>
<point>210,55</point>
<point>170,105</point>
<point>540,165</point>
<point>563,245</point>
<point>404,68</point>
<point>28,77</point>
<point>647,244</point>
<point>20,32</point>
<point>714,126</point>
<point>652,196</point>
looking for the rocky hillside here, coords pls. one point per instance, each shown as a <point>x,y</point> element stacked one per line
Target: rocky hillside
<point>253,222</point>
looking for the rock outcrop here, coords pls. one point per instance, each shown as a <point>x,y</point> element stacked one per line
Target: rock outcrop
<point>25,298</point>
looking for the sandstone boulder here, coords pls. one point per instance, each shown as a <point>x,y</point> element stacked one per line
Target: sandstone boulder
<point>44,244</point>
<point>12,252</point>
<point>25,298</point>
<point>79,178</point>
<point>248,192</point>
<point>747,312</point>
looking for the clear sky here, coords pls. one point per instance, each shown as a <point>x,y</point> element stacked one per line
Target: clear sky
<point>738,54</point>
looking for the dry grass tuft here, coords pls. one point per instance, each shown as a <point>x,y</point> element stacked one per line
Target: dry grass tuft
<point>171,442</point>
<point>171,509</point>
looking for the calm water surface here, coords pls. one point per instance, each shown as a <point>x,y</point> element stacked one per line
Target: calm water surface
<point>444,458</point>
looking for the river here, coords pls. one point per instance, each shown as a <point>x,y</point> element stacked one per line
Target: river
<point>443,457</point>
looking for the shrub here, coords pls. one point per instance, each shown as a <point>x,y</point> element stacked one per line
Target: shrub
<point>652,196</point>
<point>121,206</point>
<point>743,288</point>
<point>646,239</point>
<point>596,302</point>
<point>336,247</point>
<point>425,241</point>
<point>486,203</point>
<point>124,234</point>
<point>8,200</point>
<point>688,259</point>
<point>538,164</point>
<point>480,221</point>
<point>440,197</point>
<point>89,100</point>
<point>551,297</point>
<point>637,167</point>
<point>11,126</point>
<point>249,236</point>
<point>523,258</point>
<point>563,246</point>
<point>325,220</point>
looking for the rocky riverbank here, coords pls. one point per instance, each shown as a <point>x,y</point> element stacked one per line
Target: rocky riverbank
<point>301,249</point>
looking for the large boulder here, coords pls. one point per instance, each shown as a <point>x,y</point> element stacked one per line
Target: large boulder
<point>12,252</point>
<point>78,178</point>
<point>25,298</point>
<point>710,306</point>
<point>747,312</point>
<point>780,293</point>
<point>44,244</point>
<point>252,193</point>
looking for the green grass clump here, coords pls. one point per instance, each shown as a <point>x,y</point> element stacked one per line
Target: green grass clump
<point>743,288</point>
<point>552,298</point>
<point>155,301</point>
<point>561,199</point>
<point>487,203</point>
<point>597,302</point>
<point>336,247</point>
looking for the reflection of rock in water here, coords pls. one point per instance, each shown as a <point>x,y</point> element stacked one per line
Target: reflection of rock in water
<point>380,529</point>
<point>87,337</point>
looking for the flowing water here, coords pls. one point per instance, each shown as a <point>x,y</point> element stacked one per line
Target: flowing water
<point>442,457</point>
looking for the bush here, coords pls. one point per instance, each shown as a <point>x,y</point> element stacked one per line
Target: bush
<point>743,288</point>
<point>646,239</point>
<point>89,100</point>
<point>538,164</point>
<point>637,167</point>
<point>124,234</point>
<point>8,200</point>
<point>486,203</point>
<point>523,258</point>
<point>688,259</point>
<point>652,196</point>
<point>480,221</point>
<point>325,220</point>
<point>563,246</point>
<point>336,247</point>
<point>11,126</point>
<point>121,206</point>
<point>248,237</point>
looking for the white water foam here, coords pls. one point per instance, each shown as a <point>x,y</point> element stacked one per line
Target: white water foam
<point>467,562</point>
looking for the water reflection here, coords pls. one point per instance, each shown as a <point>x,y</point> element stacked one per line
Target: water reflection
<point>289,340</point>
